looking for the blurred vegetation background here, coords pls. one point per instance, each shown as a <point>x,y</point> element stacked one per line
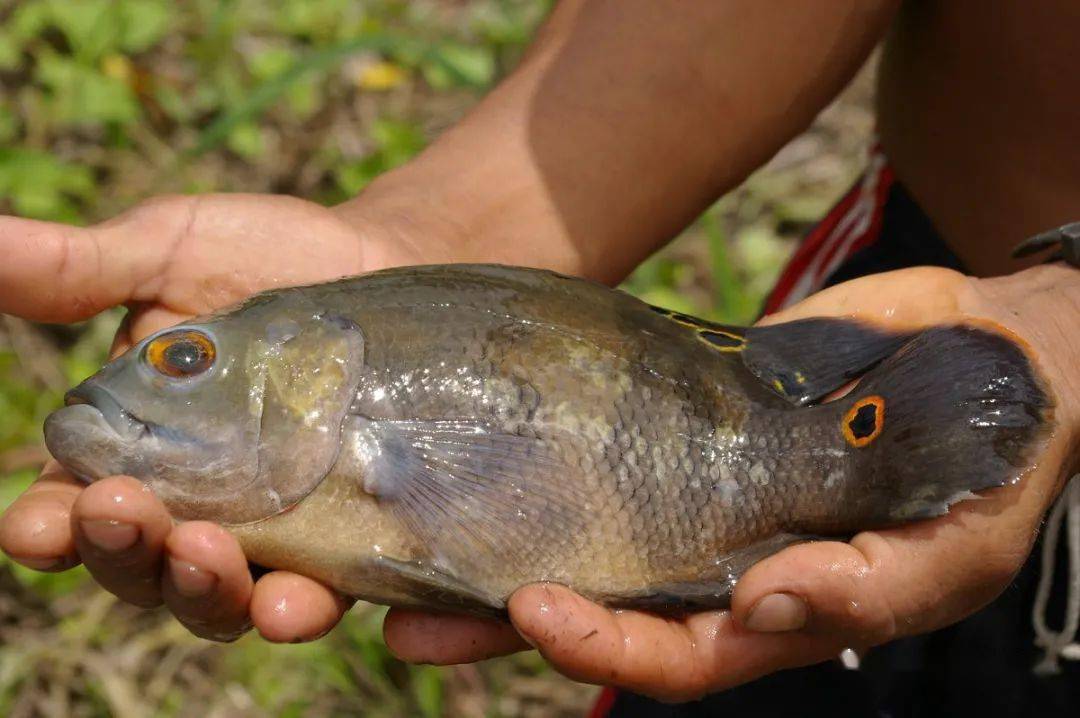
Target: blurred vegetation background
<point>106,102</point>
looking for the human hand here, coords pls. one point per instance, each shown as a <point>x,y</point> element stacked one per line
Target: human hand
<point>808,602</point>
<point>167,260</point>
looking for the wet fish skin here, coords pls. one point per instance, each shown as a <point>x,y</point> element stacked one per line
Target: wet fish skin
<point>493,426</point>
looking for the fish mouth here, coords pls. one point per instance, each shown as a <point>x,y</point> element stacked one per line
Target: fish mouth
<point>126,425</point>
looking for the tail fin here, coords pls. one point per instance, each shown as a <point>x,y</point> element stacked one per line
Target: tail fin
<point>958,409</point>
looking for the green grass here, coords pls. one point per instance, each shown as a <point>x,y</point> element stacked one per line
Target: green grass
<point>105,102</point>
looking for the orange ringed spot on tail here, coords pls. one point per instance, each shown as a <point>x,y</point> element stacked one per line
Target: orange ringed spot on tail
<point>864,421</point>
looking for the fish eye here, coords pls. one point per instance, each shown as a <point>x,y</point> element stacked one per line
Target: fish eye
<point>181,354</point>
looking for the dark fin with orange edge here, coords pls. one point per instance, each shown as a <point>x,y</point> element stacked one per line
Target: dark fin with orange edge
<point>808,359</point>
<point>959,409</point>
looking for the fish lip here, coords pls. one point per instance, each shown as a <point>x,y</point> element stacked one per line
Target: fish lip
<point>123,422</point>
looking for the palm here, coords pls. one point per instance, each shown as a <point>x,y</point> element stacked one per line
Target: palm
<point>209,252</point>
<point>168,260</point>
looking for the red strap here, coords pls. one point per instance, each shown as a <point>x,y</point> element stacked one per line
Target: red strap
<point>829,243</point>
<point>808,249</point>
<point>604,702</point>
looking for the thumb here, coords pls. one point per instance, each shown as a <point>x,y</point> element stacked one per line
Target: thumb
<point>891,583</point>
<point>59,273</point>
<point>903,298</point>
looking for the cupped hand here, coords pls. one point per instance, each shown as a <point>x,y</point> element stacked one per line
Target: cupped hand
<point>167,260</point>
<point>808,602</point>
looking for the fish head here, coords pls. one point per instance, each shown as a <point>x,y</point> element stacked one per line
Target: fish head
<point>233,418</point>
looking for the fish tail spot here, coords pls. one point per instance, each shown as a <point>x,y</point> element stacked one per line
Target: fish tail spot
<point>864,421</point>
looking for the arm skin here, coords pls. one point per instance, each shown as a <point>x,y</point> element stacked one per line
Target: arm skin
<point>578,162</point>
<point>626,119</point>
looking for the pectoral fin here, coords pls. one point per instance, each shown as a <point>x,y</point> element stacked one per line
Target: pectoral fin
<point>476,496</point>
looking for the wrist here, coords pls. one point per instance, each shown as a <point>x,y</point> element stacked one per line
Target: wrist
<point>419,214</point>
<point>399,224</point>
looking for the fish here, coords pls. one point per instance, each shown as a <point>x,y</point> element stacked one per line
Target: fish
<point>438,436</point>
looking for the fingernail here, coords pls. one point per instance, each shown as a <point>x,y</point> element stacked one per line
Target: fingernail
<point>111,536</point>
<point>776,613</point>
<point>190,580</point>
<point>38,564</point>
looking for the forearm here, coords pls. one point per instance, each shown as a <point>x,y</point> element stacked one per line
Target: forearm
<point>625,120</point>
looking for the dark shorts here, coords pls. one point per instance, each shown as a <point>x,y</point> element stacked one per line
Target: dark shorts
<point>981,666</point>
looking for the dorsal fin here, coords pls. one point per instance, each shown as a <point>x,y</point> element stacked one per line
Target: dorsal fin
<point>723,337</point>
<point>804,360</point>
<point>808,359</point>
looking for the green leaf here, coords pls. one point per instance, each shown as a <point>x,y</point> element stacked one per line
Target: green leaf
<point>10,53</point>
<point>270,91</point>
<point>315,18</point>
<point>176,105</point>
<point>144,23</point>
<point>271,62</point>
<point>730,301</point>
<point>246,140</point>
<point>12,485</point>
<point>39,185</point>
<point>90,26</point>
<point>82,95</point>
<point>508,23</point>
<point>399,142</point>
<point>352,177</point>
<point>454,65</point>
<point>9,124</point>
<point>428,689</point>
<point>29,19</point>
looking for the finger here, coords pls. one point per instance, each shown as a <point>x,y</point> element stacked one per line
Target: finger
<point>888,584</point>
<point>120,528</point>
<point>206,582</point>
<point>288,608</point>
<point>669,659</point>
<point>913,578</point>
<point>35,531</point>
<point>53,272</point>
<point>906,298</point>
<point>445,639</point>
<point>59,273</point>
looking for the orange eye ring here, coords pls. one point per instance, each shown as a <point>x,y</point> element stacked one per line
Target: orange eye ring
<point>181,354</point>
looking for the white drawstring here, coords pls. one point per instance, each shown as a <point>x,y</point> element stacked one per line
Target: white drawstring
<point>1062,645</point>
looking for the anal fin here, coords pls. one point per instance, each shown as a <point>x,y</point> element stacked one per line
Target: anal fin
<point>434,588</point>
<point>713,590</point>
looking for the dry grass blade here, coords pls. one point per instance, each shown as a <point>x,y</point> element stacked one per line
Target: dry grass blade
<point>37,356</point>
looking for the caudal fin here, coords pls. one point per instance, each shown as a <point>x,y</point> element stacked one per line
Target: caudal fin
<point>956,410</point>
